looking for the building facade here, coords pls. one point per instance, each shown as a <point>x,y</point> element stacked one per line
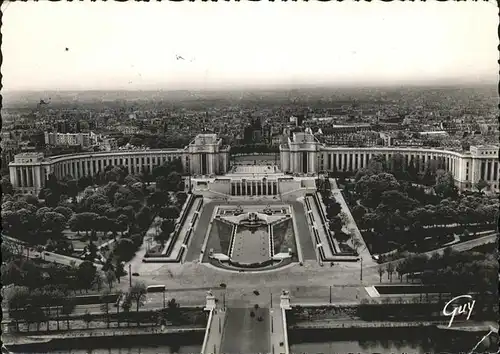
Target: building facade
<point>71,139</point>
<point>304,155</point>
<point>205,155</point>
<point>301,154</point>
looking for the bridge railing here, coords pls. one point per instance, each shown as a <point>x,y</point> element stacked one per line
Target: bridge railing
<point>207,332</point>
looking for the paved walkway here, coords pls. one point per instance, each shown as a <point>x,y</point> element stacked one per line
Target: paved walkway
<point>148,242</point>
<point>304,235</point>
<point>277,331</point>
<point>318,223</point>
<point>179,242</point>
<point>213,345</point>
<point>200,231</point>
<point>459,247</point>
<point>351,226</point>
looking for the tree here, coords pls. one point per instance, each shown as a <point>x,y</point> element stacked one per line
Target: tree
<point>397,200</point>
<point>335,224</point>
<point>68,307</point>
<point>105,306</point>
<point>35,314</point>
<point>144,217</point>
<point>371,187</point>
<point>341,236</point>
<point>377,164</point>
<point>53,222</point>
<point>390,270</point>
<point>126,305</point>
<point>161,183</point>
<point>167,227</point>
<point>72,189</point>
<point>110,278</point>
<point>85,274</point>
<point>122,223</point>
<point>87,317</point>
<point>67,212</point>
<point>170,212</point>
<point>333,209</point>
<point>119,270</point>
<point>173,310</point>
<point>445,185</point>
<point>6,186</point>
<point>83,222</point>
<point>11,273</point>
<point>482,184</point>
<point>138,294</point>
<point>17,301</point>
<point>125,249</point>
<point>356,244</point>
<point>400,269</point>
<point>98,280</point>
<point>173,181</point>
<point>344,218</point>
<point>103,224</point>
<point>381,272</point>
<point>181,198</point>
<point>358,212</point>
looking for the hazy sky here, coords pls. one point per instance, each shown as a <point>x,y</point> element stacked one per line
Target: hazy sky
<point>134,45</point>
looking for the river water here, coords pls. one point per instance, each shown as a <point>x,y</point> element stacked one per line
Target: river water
<point>165,344</point>
<point>387,341</point>
<point>359,341</point>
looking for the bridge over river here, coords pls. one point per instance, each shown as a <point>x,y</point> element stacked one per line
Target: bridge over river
<point>246,330</point>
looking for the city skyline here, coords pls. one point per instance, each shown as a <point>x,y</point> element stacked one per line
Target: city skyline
<point>149,47</point>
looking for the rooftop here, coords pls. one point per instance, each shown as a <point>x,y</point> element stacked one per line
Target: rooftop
<point>205,139</point>
<point>29,154</point>
<point>252,170</point>
<point>301,137</point>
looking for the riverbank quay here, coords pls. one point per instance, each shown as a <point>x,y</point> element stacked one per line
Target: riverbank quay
<point>12,340</point>
<point>354,324</point>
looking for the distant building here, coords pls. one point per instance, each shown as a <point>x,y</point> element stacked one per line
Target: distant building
<point>434,133</point>
<point>109,144</point>
<point>350,128</point>
<point>63,127</point>
<point>71,139</point>
<point>297,120</point>
<point>128,130</point>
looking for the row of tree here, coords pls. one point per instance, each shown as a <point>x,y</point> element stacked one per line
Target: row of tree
<point>458,271</point>
<point>49,303</point>
<point>398,212</point>
<point>35,274</point>
<point>414,171</point>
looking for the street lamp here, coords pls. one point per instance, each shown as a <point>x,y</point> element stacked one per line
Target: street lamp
<point>361,269</point>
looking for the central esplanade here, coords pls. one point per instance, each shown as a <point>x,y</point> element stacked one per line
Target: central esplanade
<point>206,157</point>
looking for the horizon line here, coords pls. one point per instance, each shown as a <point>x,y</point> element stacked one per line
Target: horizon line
<point>281,87</point>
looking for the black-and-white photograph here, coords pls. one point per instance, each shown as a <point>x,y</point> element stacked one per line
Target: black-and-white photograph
<point>245,177</point>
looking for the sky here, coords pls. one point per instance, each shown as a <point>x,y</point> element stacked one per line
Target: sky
<point>131,46</point>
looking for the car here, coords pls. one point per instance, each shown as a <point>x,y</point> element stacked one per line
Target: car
<point>135,274</point>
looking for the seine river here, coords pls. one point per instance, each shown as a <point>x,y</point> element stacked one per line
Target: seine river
<point>359,341</point>
<point>386,341</point>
